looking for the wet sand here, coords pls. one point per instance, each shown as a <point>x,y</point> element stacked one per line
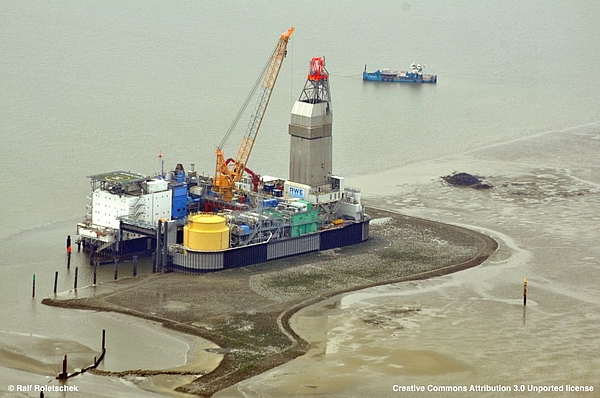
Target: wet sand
<point>41,355</point>
<point>246,311</point>
<point>470,327</point>
<point>407,327</point>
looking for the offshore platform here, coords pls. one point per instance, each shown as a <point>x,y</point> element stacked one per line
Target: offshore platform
<point>195,223</point>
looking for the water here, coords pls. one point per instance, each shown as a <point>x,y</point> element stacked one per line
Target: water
<point>471,328</point>
<point>89,87</point>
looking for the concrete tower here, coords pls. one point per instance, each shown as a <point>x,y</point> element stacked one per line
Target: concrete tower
<point>310,131</point>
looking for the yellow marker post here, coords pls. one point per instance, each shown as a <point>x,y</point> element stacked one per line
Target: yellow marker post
<point>524,291</point>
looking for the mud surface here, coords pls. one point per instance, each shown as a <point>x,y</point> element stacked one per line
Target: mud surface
<point>466,180</point>
<point>246,311</point>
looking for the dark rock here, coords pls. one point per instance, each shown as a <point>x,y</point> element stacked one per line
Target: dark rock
<point>465,180</point>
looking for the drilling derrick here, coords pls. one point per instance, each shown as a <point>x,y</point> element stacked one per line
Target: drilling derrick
<point>310,130</point>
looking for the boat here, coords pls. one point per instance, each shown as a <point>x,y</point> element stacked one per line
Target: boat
<point>414,75</point>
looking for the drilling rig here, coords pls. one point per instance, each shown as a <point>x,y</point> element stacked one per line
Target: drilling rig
<point>311,130</point>
<point>228,173</point>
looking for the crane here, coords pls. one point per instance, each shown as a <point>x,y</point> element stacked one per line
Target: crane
<point>227,173</point>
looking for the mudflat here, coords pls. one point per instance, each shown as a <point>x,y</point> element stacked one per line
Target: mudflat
<point>246,311</point>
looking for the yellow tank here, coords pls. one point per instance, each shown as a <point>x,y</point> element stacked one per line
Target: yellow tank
<point>206,231</point>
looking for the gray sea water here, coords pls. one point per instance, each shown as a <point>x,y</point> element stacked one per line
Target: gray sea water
<point>94,86</point>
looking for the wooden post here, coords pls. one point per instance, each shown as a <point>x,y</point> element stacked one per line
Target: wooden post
<point>135,260</point>
<point>103,339</point>
<point>63,375</point>
<point>95,267</point>
<point>55,281</point>
<point>68,251</point>
<point>33,292</point>
<point>116,268</point>
<point>75,283</point>
<point>524,291</point>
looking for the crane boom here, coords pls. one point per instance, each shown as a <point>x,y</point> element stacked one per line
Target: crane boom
<point>226,175</point>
